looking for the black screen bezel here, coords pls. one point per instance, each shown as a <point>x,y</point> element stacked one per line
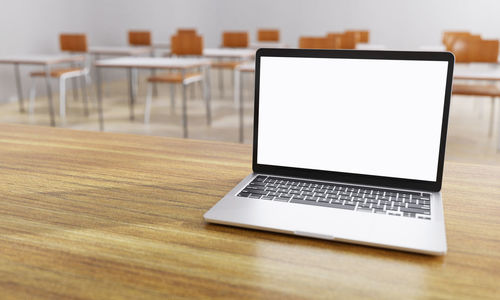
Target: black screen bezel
<point>432,186</point>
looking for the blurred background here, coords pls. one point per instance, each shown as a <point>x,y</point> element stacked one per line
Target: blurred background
<point>38,36</point>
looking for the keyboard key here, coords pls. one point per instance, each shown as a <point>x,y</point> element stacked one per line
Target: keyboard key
<point>380,201</point>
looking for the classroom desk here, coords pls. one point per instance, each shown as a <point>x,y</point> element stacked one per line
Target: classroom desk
<point>480,72</point>
<point>233,53</point>
<point>238,93</point>
<point>97,51</point>
<point>131,64</point>
<point>100,215</point>
<point>41,60</point>
<point>257,45</point>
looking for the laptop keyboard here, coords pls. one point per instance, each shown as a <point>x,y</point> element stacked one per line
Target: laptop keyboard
<point>350,197</point>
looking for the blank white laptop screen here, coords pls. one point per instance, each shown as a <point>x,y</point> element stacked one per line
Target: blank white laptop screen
<point>361,116</point>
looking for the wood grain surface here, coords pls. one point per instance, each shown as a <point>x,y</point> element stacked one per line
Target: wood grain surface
<point>87,215</point>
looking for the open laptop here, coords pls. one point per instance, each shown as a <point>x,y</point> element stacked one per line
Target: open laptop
<point>348,146</point>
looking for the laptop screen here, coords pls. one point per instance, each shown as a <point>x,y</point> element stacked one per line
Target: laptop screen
<point>361,116</point>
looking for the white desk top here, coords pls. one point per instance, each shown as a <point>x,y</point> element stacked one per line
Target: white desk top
<point>437,48</point>
<point>367,46</point>
<point>256,45</point>
<point>229,52</point>
<point>247,67</point>
<point>153,62</point>
<point>477,71</point>
<point>161,45</point>
<point>118,50</point>
<point>35,59</point>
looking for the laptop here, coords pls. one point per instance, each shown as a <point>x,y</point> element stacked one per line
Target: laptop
<point>348,146</point>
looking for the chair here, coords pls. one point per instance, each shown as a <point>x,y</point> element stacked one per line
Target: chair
<point>461,46</point>
<point>230,39</point>
<point>186,31</point>
<point>471,49</point>
<point>182,45</point>
<point>360,36</point>
<point>314,42</point>
<point>235,39</point>
<point>139,38</point>
<point>268,35</point>
<point>336,39</point>
<point>450,36</point>
<point>348,40</point>
<point>73,43</point>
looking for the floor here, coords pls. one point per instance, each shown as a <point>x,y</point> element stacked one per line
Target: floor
<point>468,138</point>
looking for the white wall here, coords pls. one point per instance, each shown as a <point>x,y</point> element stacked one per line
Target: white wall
<point>32,26</point>
<point>394,23</point>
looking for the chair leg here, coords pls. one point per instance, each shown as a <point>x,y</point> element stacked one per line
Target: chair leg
<point>184,112</point>
<point>84,96</point>
<point>492,117</point>
<point>147,108</point>
<point>62,100</point>
<point>221,82</point>
<point>32,96</point>
<point>74,86</point>
<point>172,98</point>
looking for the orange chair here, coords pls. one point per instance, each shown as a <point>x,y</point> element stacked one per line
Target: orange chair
<point>182,45</point>
<point>230,39</point>
<point>462,47</point>
<point>473,49</point>
<point>139,38</point>
<point>73,43</point>
<point>268,35</point>
<point>336,40</point>
<point>315,42</point>
<point>348,40</point>
<point>233,39</point>
<point>450,36</point>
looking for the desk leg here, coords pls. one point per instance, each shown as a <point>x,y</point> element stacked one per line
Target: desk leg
<point>184,106</point>
<point>19,88</point>
<point>206,92</point>
<point>240,103</point>
<point>131,92</point>
<point>99,98</point>
<point>153,73</point>
<point>49,96</point>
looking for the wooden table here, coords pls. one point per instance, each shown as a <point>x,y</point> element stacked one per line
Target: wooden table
<point>46,61</point>
<point>99,215</point>
<point>153,63</point>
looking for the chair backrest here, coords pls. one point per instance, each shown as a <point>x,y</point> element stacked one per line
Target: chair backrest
<point>316,42</point>
<point>268,35</point>
<point>186,31</point>
<point>73,42</point>
<point>139,38</point>
<point>483,51</point>
<point>364,36</point>
<point>348,40</point>
<point>187,44</point>
<point>463,47</point>
<point>450,36</point>
<point>360,36</point>
<point>235,39</point>
<point>335,39</point>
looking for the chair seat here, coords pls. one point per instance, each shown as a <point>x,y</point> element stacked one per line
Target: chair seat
<point>172,77</point>
<point>56,72</point>
<point>488,90</point>
<point>226,64</point>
